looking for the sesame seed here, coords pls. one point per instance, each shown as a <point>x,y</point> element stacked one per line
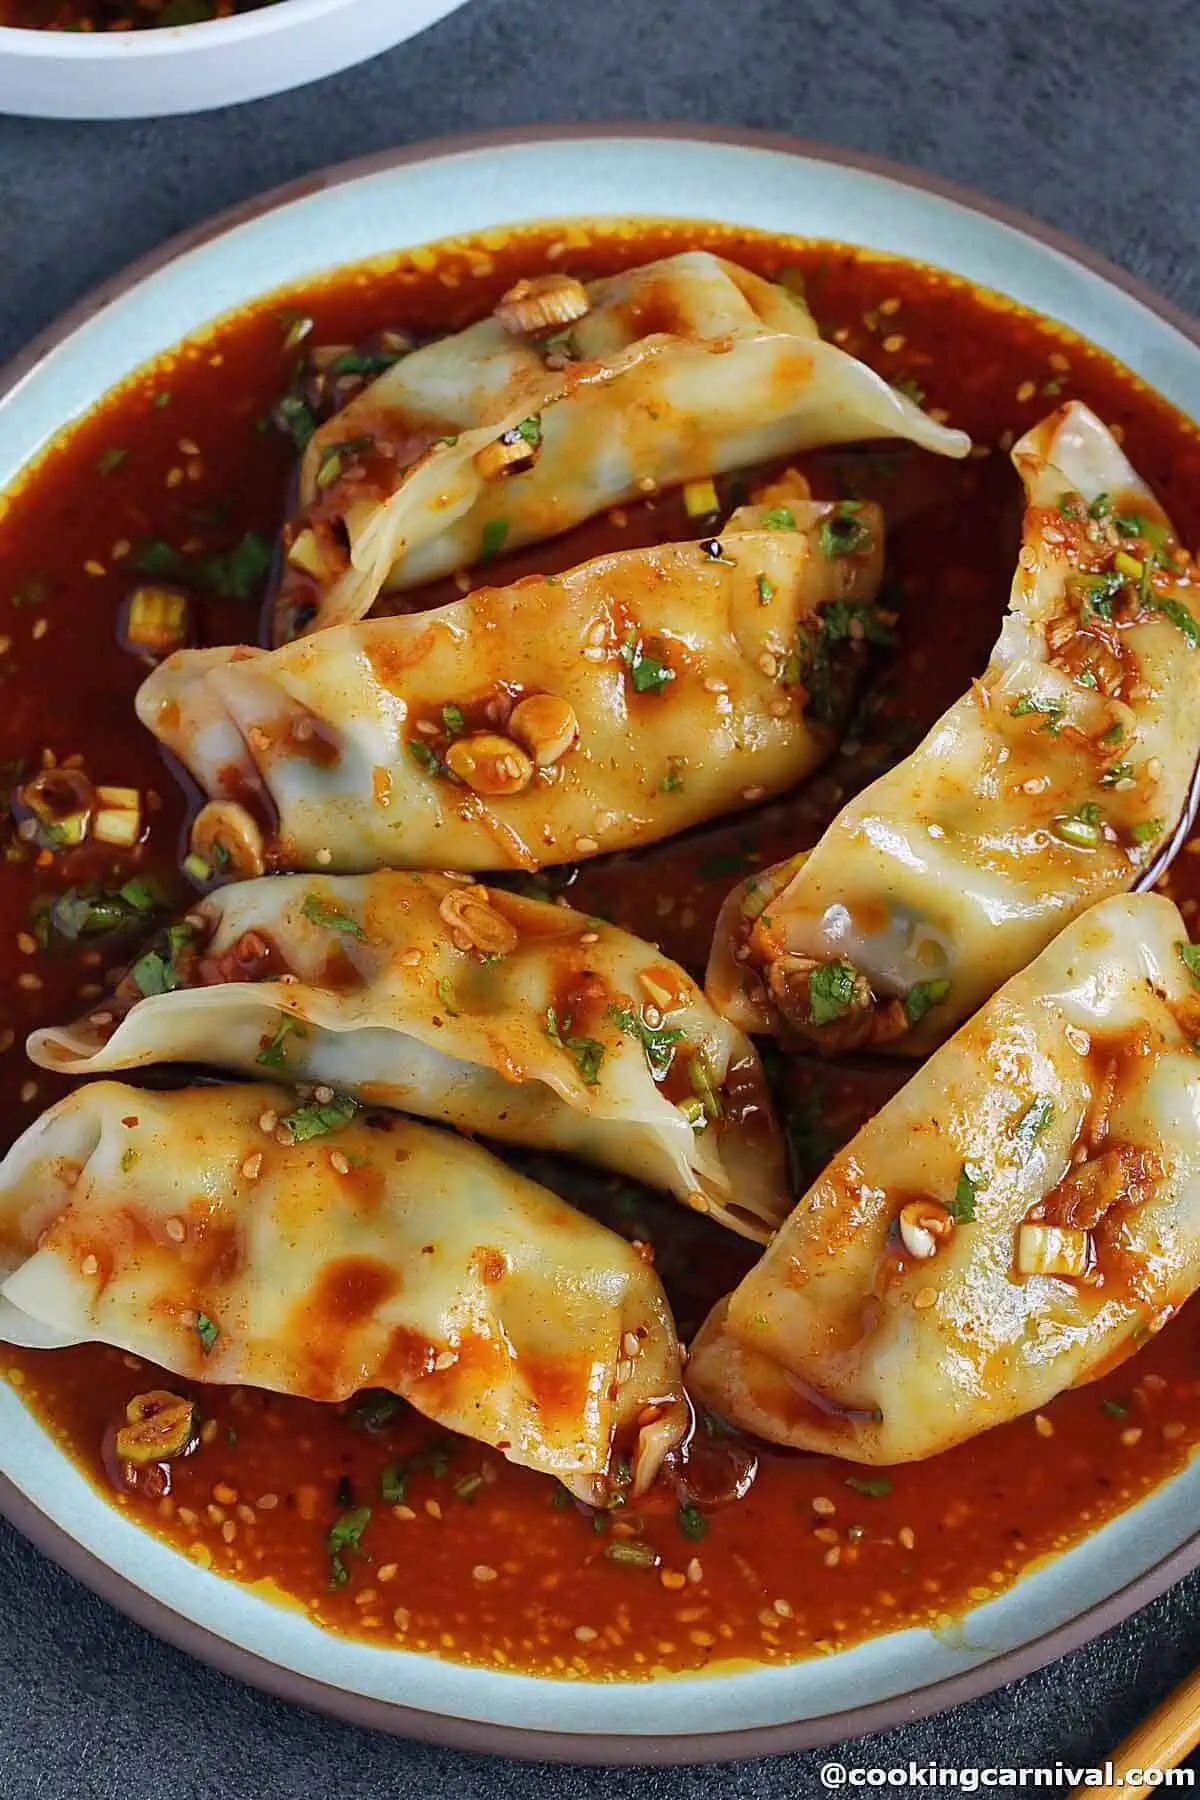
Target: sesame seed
<point>585,1634</point>
<point>410,958</point>
<point>1131,1435</point>
<point>704,1639</point>
<point>324,856</point>
<point>445,1359</point>
<point>1174,1428</point>
<point>586,846</point>
<point>174,477</point>
<point>590,937</point>
<point>433,1508</point>
<point>753,793</point>
<point>188,448</point>
<point>1042,1425</point>
<point>483,1572</point>
<point>647,484</point>
<point>224,1494</point>
<point>889,306</point>
<point>267,1502</point>
<point>31,983</point>
<point>176,1230</point>
<point>268,1121</point>
<point>673,1579</point>
<point>388,1572</point>
<point>832,1557</point>
<point>768,664</point>
<point>96,569</point>
<point>1058,361</point>
<point>697,1201</point>
<point>40,628</point>
<point>823,1505</point>
<point>779,709</point>
<point>907,1537</point>
<point>783,1608</point>
<point>695,1571</point>
<point>404,1513</point>
<point>1026,391</point>
<point>90,1265</point>
<point>401,1618</point>
<point>252,1166</point>
<point>630,1343</point>
<point>322,1094</point>
<point>925,1298</point>
<point>593,654</point>
<point>714,685</point>
<point>893,343</point>
<point>28,1092</point>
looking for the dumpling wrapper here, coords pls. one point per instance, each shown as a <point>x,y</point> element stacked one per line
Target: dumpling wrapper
<point>681,668</point>
<point>686,367</point>
<point>521,1020</point>
<point>841,1341</point>
<point>1058,779</point>
<point>150,1221</point>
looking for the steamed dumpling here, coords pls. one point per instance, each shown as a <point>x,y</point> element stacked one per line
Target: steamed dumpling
<point>545,722</point>
<point>520,1020</point>
<point>1058,779</point>
<point>233,1235</point>
<point>1014,1222</point>
<point>501,436</point>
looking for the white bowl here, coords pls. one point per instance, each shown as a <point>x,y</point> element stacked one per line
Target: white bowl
<point>188,68</point>
<point>364,211</point>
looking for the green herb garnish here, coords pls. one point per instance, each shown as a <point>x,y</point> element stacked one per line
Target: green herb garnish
<point>346,1535</point>
<point>445,993</point>
<point>691,1522</point>
<point>657,1041</point>
<point>843,533</point>
<point>588,1053</point>
<point>766,590</point>
<point>779,518</point>
<point>921,997</point>
<point>962,1208</point>
<point>1180,617</point>
<point>647,670</point>
<point>454,719</point>
<point>318,912</point>
<point>320,1117</point>
<point>874,1487</point>
<point>274,1055</point>
<point>1033,1121</point>
<point>298,418</point>
<point>832,990</point>
<point>494,534</point>
<point>110,459</point>
<point>1191,957</point>
<point>207,1332</point>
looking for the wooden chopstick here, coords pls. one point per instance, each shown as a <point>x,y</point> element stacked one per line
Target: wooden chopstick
<point>1159,1742</point>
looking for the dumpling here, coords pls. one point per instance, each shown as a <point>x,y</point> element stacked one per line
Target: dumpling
<point>1062,776</point>
<point>230,1234</point>
<point>1014,1222</point>
<point>521,1020</point>
<point>544,722</point>
<point>550,411</point>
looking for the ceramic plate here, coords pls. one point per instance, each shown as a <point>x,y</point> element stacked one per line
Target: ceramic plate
<point>359,212</point>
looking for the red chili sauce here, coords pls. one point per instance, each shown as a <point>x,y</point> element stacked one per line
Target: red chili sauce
<point>463,1554</point>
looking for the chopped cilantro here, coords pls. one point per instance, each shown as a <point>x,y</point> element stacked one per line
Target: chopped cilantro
<point>962,1208</point>
<point>658,1041</point>
<point>207,1332</point>
<point>236,574</point>
<point>320,1117</point>
<point>921,997</point>
<point>588,1053</point>
<point>110,459</point>
<point>129,1158</point>
<point>445,994</point>
<point>766,590</point>
<point>454,719</point>
<point>647,670</point>
<point>344,1535</point>
<point>1116,1409</point>
<point>1146,830</point>
<point>319,913</point>
<point>831,991</point>
<point>424,757</point>
<point>1098,592</point>
<point>530,430</point>
<point>1180,617</point>
<point>357,362</point>
<point>1191,956</point>
<point>873,1486</point>
<point>151,556</point>
<point>843,533</point>
<point>1052,710</point>
<point>274,1054</point>
<point>1033,1121</point>
<point>1100,508</point>
<point>691,1522</point>
<point>779,518</point>
<point>494,534</point>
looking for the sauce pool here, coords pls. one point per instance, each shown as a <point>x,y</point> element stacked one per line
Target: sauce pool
<point>464,1555</point>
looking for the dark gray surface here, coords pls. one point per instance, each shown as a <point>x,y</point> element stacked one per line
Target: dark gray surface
<point>1082,114</point>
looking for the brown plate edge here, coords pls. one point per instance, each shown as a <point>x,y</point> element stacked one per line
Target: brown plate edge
<point>483,1737</point>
